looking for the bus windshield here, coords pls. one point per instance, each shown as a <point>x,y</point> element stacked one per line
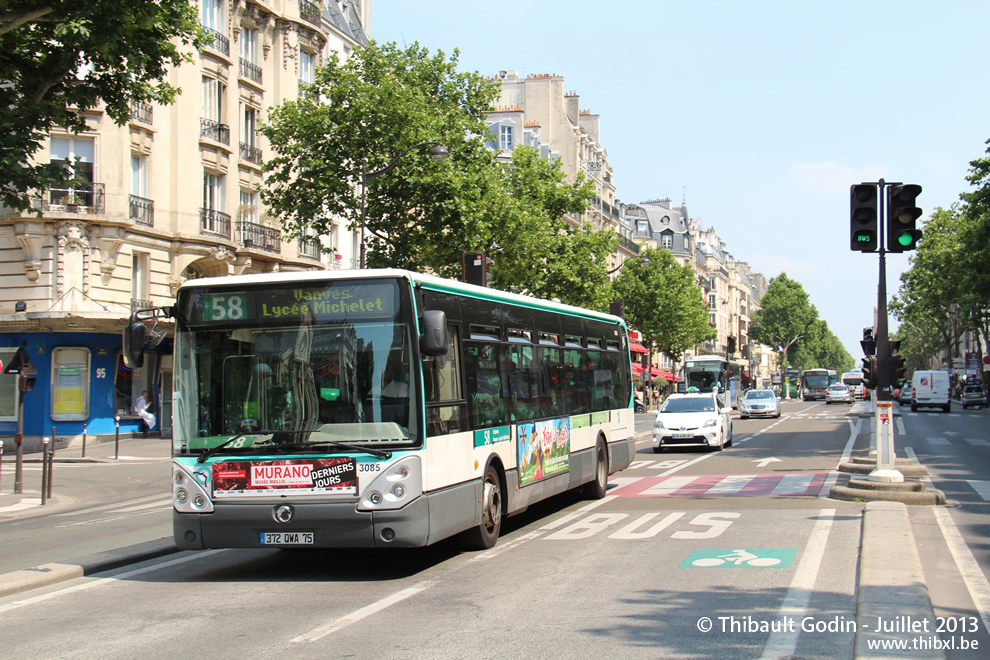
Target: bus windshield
<point>816,381</point>
<point>287,365</point>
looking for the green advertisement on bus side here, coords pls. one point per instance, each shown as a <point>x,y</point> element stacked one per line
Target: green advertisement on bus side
<point>544,449</point>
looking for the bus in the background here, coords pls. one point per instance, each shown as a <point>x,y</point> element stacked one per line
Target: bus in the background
<point>854,381</point>
<point>709,371</point>
<point>814,383</point>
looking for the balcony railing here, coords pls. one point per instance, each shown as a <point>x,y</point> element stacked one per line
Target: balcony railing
<point>215,131</point>
<point>259,237</point>
<point>141,112</point>
<point>629,245</point>
<point>309,12</point>
<point>80,197</point>
<point>214,223</point>
<point>220,42</point>
<point>142,211</point>
<point>250,153</point>
<point>250,71</point>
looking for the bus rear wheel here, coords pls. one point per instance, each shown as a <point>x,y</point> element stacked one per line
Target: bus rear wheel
<point>596,489</point>
<point>485,535</point>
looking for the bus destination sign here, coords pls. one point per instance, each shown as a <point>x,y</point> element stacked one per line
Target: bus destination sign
<point>336,301</point>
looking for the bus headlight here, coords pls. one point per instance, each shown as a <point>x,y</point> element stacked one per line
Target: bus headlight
<point>397,486</point>
<point>188,495</point>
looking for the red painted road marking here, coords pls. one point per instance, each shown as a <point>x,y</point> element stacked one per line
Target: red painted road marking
<point>725,485</point>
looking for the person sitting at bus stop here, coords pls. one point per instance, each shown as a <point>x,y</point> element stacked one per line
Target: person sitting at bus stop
<point>141,409</point>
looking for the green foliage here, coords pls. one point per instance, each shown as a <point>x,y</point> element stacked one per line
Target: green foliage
<point>784,319</point>
<point>378,112</point>
<point>61,59</point>
<point>663,301</point>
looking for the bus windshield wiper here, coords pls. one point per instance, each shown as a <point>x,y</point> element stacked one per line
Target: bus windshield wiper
<point>380,453</point>
<point>209,451</point>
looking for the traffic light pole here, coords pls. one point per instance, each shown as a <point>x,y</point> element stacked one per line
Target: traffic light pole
<point>884,411</point>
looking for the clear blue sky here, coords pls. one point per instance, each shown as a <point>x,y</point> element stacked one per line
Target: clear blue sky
<point>763,112</point>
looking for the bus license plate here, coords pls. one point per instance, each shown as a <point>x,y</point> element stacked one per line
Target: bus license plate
<point>287,538</point>
<point>683,436</point>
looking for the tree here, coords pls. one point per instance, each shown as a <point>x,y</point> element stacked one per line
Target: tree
<point>363,113</point>
<point>663,302</point>
<point>784,317</point>
<point>61,59</point>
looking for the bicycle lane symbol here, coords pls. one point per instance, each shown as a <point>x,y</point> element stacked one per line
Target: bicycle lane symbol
<point>740,558</point>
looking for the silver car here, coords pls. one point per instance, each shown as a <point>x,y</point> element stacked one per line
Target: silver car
<point>759,403</point>
<point>839,394</point>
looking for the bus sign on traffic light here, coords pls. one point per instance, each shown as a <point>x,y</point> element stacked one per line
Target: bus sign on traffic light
<point>863,217</point>
<point>902,216</point>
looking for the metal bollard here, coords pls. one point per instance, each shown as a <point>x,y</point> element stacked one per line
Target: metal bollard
<point>44,470</point>
<point>116,440</point>
<point>84,440</point>
<point>51,467</point>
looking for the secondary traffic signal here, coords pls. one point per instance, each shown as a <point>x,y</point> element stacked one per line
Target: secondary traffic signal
<point>898,368</point>
<point>870,375</point>
<point>863,217</point>
<point>902,215</point>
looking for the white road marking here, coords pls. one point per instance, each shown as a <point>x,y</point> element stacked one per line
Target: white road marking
<point>833,477</point>
<point>156,496</point>
<point>732,484</point>
<point>900,426</point>
<point>793,484</point>
<point>982,488</point>
<point>783,644</point>
<point>978,442</point>
<point>937,441</point>
<point>668,486</point>
<point>681,467</point>
<point>362,613</point>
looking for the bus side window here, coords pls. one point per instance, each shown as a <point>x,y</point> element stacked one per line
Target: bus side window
<point>484,384</point>
<point>446,411</point>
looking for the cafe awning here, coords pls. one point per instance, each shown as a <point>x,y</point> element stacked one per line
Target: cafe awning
<point>636,347</point>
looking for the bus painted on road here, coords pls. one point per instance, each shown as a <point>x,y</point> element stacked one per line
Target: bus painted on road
<point>814,384</point>
<point>383,408</point>
<point>708,371</point>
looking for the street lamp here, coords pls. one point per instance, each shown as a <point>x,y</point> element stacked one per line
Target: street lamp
<point>439,152</point>
<point>643,261</point>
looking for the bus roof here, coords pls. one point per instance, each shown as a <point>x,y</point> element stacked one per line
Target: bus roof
<point>428,281</point>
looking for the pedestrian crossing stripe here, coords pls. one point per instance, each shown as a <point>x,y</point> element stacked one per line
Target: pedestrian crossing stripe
<point>723,485</point>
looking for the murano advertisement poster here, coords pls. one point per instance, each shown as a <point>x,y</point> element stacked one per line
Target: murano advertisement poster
<point>318,476</point>
<point>544,449</point>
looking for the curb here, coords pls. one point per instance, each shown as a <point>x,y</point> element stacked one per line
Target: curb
<point>49,574</point>
<point>891,584</point>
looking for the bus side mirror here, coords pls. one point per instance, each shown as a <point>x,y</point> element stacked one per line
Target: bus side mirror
<point>135,334</point>
<point>433,341</point>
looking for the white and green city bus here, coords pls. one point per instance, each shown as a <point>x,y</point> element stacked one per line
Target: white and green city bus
<point>383,408</point>
<point>706,372</point>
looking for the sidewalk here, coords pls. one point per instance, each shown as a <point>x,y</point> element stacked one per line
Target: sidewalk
<point>28,503</point>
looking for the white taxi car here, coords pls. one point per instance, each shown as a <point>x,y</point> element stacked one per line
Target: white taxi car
<point>692,420</point>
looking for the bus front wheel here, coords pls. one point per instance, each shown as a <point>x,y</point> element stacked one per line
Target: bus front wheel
<point>485,535</point>
<point>596,489</point>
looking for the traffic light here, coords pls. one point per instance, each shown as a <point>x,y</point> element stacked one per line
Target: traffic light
<point>870,375</point>
<point>863,217</point>
<point>902,215</point>
<point>898,368</point>
<point>731,344</point>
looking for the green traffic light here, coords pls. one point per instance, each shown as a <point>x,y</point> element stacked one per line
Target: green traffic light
<point>864,238</point>
<point>905,239</point>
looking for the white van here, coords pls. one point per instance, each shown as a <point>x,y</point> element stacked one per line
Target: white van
<point>930,389</point>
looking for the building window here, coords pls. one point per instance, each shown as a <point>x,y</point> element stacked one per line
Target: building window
<point>249,45</point>
<point>76,155</point>
<point>70,383</point>
<point>249,125</point>
<point>505,137</point>
<point>307,66</point>
<point>250,210</point>
<point>667,241</point>
<point>140,266</point>
<point>214,192</point>
<point>9,390</point>
<point>711,301</point>
<point>139,175</point>
<point>213,15</point>
<point>213,93</point>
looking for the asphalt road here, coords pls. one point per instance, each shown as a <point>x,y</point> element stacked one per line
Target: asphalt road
<point>740,538</point>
